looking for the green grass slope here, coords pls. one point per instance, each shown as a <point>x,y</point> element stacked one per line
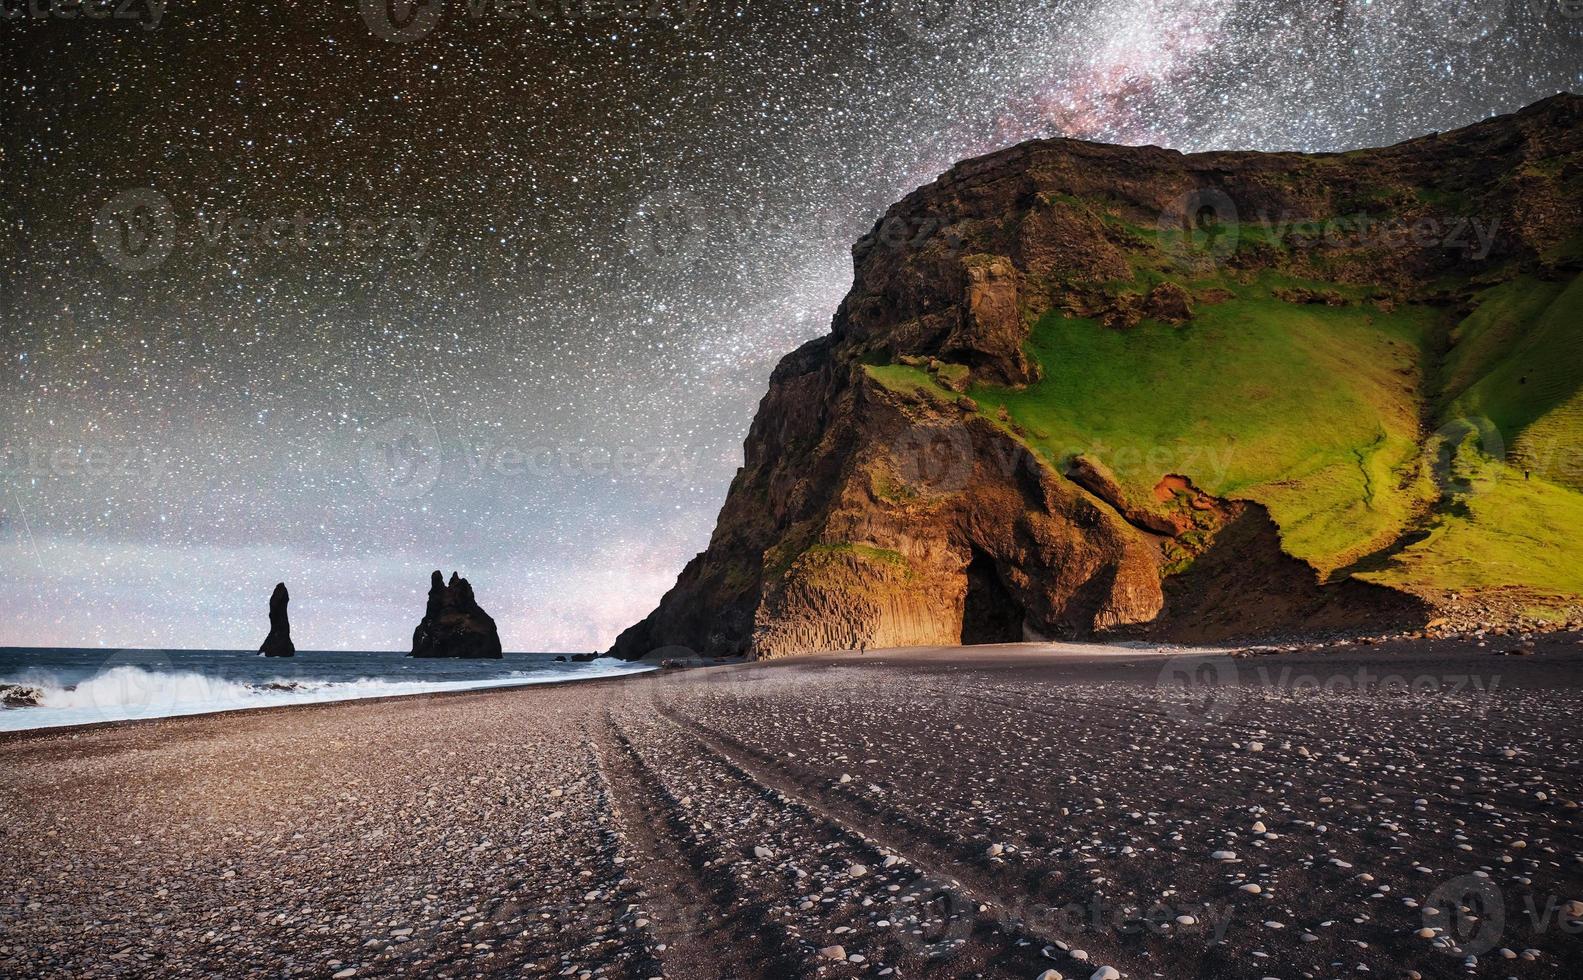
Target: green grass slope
<point>1518,362</point>
<point>1497,530</point>
<point>1311,410</point>
<point>1511,431</point>
<point>1322,413</point>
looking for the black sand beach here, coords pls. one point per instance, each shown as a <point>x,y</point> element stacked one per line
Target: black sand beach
<point>1375,811</point>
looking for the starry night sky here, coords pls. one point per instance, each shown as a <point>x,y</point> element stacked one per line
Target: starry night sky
<point>285,298</point>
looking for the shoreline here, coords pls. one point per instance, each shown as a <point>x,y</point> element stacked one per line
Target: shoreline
<point>984,655</point>
<point>483,686</point>
<point>933,813</point>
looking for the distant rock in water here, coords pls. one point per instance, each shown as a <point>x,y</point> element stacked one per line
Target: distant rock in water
<point>278,642</point>
<point>454,625</point>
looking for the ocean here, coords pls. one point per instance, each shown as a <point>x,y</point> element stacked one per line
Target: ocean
<point>83,686</point>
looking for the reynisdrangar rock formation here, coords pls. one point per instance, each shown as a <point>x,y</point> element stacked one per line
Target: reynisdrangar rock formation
<point>454,625</point>
<point>278,642</point>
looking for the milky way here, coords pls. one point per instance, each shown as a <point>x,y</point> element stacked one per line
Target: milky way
<point>344,295</point>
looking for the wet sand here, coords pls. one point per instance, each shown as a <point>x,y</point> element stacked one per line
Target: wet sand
<point>987,812</point>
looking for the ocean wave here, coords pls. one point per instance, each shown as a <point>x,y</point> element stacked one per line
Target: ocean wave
<point>142,690</point>
<point>125,693</point>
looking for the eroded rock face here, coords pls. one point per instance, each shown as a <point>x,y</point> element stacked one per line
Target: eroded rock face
<point>868,513</point>
<point>278,642</point>
<point>454,625</point>
<point>858,523</point>
<point>990,332</point>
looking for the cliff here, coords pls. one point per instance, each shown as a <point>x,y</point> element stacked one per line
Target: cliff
<point>1080,389</point>
<point>453,624</point>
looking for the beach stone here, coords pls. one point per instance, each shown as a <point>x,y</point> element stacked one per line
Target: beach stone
<point>1106,973</point>
<point>833,953</point>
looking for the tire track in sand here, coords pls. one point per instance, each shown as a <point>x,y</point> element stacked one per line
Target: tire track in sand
<point>926,849</point>
<point>703,922</point>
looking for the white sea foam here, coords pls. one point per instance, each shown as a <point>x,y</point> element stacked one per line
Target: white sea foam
<point>126,692</point>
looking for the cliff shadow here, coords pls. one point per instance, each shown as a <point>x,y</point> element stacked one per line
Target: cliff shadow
<point>1245,587</point>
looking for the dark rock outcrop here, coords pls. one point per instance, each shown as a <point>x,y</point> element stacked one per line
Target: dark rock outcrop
<point>278,642</point>
<point>1095,477</point>
<point>453,624</point>
<point>20,696</point>
<point>883,512</point>
<point>1170,303</point>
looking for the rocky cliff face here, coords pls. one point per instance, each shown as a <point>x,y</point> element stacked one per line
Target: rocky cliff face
<point>278,642</point>
<point>884,501</point>
<point>454,625</point>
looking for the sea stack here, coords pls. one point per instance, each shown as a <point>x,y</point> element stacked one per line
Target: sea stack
<point>278,642</point>
<point>453,624</point>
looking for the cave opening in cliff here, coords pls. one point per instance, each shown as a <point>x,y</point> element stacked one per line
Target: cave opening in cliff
<point>990,614</point>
